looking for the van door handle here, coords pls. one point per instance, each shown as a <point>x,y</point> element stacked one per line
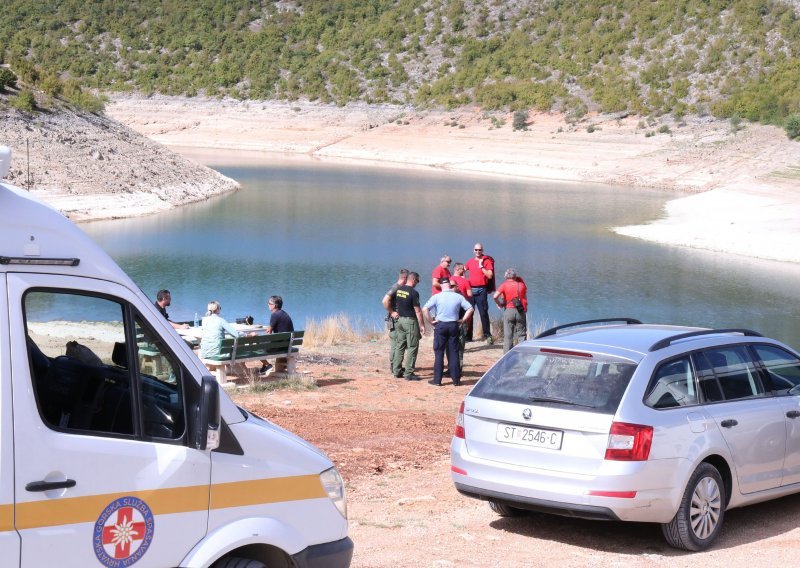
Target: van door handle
<point>48,485</point>
<point>793,414</point>
<point>730,423</point>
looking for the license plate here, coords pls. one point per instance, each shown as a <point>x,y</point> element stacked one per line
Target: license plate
<point>536,437</point>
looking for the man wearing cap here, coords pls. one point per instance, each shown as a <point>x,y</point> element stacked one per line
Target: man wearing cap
<point>481,278</point>
<point>389,303</point>
<point>410,327</point>
<point>446,307</point>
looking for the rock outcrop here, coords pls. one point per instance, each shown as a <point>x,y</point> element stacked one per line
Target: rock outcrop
<point>92,167</point>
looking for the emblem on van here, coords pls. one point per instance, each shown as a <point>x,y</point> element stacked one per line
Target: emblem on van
<point>123,532</point>
<point>526,414</point>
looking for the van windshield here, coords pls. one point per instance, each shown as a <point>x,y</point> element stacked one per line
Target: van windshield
<point>588,382</point>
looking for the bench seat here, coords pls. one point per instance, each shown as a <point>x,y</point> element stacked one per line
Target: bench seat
<point>236,351</point>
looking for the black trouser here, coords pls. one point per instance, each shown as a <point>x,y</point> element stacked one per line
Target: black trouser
<point>480,298</point>
<point>445,337</point>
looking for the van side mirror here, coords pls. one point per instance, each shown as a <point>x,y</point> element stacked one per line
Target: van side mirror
<point>208,421</point>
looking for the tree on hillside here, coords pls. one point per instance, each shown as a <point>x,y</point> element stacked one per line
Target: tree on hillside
<point>7,79</point>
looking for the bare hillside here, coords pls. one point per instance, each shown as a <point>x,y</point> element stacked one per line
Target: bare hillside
<point>60,154</point>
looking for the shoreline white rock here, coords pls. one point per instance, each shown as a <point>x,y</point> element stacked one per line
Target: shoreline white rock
<point>748,181</point>
<point>751,178</point>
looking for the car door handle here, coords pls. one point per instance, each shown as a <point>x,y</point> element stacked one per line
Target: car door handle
<point>793,414</point>
<point>48,485</point>
<point>730,423</point>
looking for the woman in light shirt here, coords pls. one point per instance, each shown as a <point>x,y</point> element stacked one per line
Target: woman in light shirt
<point>214,330</point>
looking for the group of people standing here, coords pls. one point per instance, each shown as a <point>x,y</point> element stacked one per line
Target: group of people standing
<point>454,298</point>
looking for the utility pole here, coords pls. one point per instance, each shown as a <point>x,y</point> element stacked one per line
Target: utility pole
<point>28,153</point>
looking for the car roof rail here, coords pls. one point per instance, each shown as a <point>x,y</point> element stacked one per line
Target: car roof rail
<point>554,330</point>
<point>667,341</point>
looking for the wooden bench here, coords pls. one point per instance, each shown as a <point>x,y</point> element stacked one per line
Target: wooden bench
<point>236,351</point>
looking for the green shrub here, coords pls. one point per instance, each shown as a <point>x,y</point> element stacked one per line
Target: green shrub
<point>792,126</point>
<point>7,79</point>
<point>520,121</point>
<point>24,101</point>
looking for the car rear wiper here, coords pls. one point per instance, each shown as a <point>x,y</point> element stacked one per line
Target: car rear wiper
<point>559,401</point>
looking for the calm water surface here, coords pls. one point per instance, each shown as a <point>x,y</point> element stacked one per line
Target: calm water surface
<point>330,239</point>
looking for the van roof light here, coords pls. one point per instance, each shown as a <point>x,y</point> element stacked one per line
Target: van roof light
<point>40,261</point>
<point>5,160</point>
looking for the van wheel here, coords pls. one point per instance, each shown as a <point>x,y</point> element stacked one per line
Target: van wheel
<point>239,563</point>
<point>699,518</point>
<point>505,510</point>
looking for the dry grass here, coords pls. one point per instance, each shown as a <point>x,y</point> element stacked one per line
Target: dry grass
<point>335,330</point>
<point>534,327</point>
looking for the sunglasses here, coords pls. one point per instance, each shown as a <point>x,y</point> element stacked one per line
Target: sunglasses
<point>478,250</point>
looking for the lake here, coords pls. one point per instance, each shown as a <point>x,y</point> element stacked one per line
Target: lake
<point>330,238</point>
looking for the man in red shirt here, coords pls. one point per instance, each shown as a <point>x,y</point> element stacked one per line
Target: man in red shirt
<point>515,321</point>
<point>442,270</point>
<point>481,278</point>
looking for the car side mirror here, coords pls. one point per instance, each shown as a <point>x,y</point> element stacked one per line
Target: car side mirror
<point>208,420</point>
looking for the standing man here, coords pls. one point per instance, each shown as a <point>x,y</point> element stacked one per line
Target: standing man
<point>481,278</point>
<point>391,312</point>
<point>465,290</point>
<point>442,270</point>
<point>512,298</point>
<point>163,301</point>
<point>445,324</point>
<point>409,328</point>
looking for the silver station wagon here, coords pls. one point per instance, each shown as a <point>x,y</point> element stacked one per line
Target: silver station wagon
<point>634,422</point>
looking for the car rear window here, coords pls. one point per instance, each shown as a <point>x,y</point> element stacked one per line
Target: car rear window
<point>588,382</point>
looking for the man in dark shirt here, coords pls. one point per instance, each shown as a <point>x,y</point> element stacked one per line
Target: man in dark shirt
<point>163,300</point>
<point>389,304</point>
<point>409,328</point>
<point>279,321</point>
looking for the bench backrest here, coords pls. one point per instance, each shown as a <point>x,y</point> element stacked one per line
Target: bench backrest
<point>270,344</point>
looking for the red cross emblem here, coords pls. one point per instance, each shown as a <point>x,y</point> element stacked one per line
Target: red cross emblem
<point>124,532</point>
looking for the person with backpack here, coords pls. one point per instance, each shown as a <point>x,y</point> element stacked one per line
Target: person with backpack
<point>512,298</point>
<point>481,278</point>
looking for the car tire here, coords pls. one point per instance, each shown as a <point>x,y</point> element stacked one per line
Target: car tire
<point>506,510</point>
<point>239,563</point>
<point>699,518</point>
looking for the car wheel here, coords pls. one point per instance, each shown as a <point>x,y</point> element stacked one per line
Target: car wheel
<point>239,563</point>
<point>506,510</point>
<point>699,518</point>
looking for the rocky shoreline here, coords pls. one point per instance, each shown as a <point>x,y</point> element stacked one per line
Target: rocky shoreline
<point>736,188</point>
<point>92,167</point>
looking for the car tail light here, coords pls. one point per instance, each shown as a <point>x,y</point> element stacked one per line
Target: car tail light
<point>615,494</point>
<point>629,442</point>
<point>460,433</point>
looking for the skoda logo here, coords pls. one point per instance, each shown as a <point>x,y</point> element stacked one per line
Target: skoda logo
<point>526,414</point>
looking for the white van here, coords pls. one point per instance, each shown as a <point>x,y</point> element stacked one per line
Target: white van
<point>116,447</point>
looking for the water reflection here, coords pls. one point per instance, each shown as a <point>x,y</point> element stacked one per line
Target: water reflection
<point>330,238</point>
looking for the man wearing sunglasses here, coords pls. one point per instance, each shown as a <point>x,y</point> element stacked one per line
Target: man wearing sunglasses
<point>442,270</point>
<point>481,278</point>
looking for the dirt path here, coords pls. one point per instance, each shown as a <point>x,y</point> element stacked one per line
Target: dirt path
<point>390,439</point>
